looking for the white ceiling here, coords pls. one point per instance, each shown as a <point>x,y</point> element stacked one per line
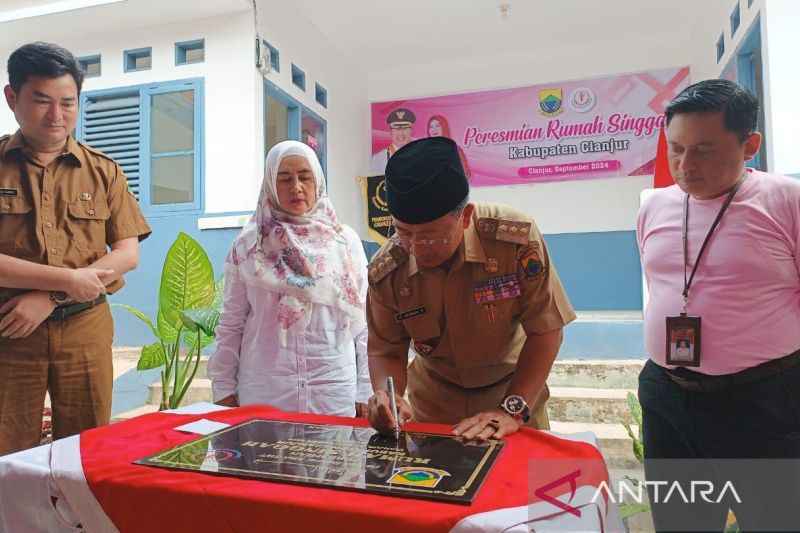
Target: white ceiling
<point>125,14</point>
<point>12,5</point>
<point>382,36</point>
<point>390,34</point>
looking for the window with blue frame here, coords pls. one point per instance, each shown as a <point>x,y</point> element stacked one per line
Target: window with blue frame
<point>139,59</point>
<point>321,95</point>
<point>746,68</point>
<point>286,118</point>
<point>274,56</point>
<point>90,65</point>
<point>154,132</point>
<point>735,19</point>
<point>190,52</point>
<point>298,77</point>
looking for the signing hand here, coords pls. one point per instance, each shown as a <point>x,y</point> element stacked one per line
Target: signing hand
<point>24,313</point>
<point>380,412</point>
<point>491,424</point>
<point>86,284</point>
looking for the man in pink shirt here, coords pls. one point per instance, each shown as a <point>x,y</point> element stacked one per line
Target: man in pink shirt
<point>720,253</point>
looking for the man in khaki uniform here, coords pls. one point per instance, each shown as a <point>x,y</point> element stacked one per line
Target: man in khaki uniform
<point>471,289</point>
<point>62,205</point>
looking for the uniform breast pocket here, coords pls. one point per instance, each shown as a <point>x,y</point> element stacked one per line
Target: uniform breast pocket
<point>494,322</point>
<point>15,223</point>
<point>422,328</point>
<point>87,223</point>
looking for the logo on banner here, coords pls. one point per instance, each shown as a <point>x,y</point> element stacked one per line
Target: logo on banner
<point>550,102</point>
<point>582,99</point>
<point>378,199</point>
<point>417,476</point>
<point>379,221</point>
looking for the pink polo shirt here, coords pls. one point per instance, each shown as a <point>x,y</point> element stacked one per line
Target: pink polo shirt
<point>747,287</point>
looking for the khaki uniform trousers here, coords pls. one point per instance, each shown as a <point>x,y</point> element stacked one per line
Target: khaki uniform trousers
<point>434,399</point>
<point>72,359</point>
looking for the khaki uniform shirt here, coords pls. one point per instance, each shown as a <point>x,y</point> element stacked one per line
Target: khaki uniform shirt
<point>503,261</point>
<point>67,213</point>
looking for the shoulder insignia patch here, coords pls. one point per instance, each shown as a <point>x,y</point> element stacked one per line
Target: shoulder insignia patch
<point>530,261</point>
<point>513,231</point>
<point>505,230</point>
<point>487,225</point>
<point>382,265</point>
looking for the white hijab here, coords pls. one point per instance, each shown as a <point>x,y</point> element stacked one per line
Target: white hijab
<point>304,258</point>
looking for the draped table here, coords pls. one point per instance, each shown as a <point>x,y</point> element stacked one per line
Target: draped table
<point>87,482</point>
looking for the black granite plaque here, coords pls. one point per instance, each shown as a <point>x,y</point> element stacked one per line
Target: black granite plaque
<point>420,465</point>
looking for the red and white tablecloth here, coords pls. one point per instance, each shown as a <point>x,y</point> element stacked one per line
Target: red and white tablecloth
<point>90,480</point>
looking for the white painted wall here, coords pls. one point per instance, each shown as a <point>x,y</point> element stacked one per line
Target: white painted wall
<point>781,43</point>
<point>295,35</point>
<point>712,19</point>
<point>566,207</point>
<point>232,122</point>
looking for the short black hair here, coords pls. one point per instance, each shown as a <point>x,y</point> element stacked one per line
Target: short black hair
<point>738,105</point>
<point>42,59</point>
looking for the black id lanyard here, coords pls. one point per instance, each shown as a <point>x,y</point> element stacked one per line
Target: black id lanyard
<point>683,332</point>
<point>687,282</point>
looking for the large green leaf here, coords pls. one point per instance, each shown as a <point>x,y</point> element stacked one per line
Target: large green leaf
<point>141,316</point>
<point>187,282</point>
<point>190,339</point>
<point>152,357</point>
<point>635,408</point>
<point>206,318</point>
<point>219,292</point>
<point>630,431</point>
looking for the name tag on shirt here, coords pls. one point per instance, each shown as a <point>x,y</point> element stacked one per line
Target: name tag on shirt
<point>496,289</point>
<point>405,315</point>
<point>9,192</point>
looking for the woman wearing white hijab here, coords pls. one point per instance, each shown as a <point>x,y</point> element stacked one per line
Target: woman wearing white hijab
<point>293,330</point>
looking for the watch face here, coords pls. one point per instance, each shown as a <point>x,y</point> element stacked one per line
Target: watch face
<point>58,297</point>
<point>514,404</point>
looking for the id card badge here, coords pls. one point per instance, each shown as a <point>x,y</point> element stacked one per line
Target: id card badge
<point>683,340</point>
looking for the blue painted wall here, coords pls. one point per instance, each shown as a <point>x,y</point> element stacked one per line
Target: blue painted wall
<point>600,271</point>
<point>141,285</point>
<point>603,339</point>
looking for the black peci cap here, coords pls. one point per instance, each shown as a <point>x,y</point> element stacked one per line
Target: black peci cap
<point>425,180</point>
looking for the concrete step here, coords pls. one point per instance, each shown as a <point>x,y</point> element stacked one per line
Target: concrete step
<point>199,391</point>
<point>600,374</point>
<point>615,444</point>
<point>132,353</point>
<point>133,413</point>
<point>589,405</point>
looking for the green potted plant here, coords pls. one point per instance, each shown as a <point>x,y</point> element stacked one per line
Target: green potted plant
<point>189,304</point>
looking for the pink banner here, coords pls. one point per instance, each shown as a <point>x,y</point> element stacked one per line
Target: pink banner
<point>585,129</point>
